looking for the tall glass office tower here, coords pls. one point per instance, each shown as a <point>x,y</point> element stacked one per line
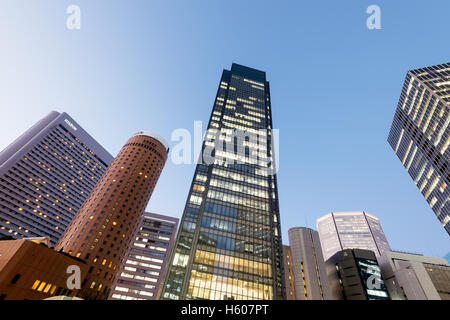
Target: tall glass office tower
<point>229,245</point>
<point>420,135</point>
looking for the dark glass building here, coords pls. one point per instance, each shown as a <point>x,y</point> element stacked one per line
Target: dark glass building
<point>229,244</point>
<point>46,175</point>
<point>354,274</point>
<point>420,135</point>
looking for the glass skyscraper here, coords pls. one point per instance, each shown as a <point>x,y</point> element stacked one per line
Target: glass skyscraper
<point>229,244</point>
<point>420,135</point>
<point>351,230</point>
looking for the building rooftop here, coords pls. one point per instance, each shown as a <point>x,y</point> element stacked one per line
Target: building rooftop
<point>154,136</point>
<point>436,78</point>
<point>247,72</point>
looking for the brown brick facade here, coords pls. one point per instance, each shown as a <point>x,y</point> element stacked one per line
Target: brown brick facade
<point>102,231</point>
<point>31,271</point>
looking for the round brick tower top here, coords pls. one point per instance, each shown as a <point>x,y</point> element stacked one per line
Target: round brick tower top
<point>104,228</point>
<point>154,136</point>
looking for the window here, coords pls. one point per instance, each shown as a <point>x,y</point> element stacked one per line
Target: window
<point>41,286</point>
<point>16,278</point>
<point>47,288</point>
<point>52,291</point>
<point>180,260</point>
<point>188,226</point>
<point>35,284</point>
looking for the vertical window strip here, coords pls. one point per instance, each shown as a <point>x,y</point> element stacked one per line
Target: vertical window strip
<point>407,152</point>
<point>399,140</point>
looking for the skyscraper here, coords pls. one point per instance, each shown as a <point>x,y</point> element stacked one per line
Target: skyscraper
<point>420,135</point>
<point>105,227</point>
<point>229,245</point>
<point>46,175</point>
<point>350,230</point>
<point>308,266</point>
<point>144,268</point>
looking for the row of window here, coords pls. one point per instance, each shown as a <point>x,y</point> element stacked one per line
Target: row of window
<point>207,286</point>
<point>235,199</point>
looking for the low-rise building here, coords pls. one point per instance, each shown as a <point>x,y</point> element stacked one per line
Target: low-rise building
<point>30,270</point>
<point>415,277</point>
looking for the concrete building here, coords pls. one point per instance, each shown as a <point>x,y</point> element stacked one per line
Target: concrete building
<point>415,277</point>
<point>288,273</point>
<point>29,270</point>
<point>46,175</point>
<point>354,274</point>
<point>308,267</point>
<point>106,225</point>
<point>350,230</point>
<point>145,265</point>
<point>420,135</point>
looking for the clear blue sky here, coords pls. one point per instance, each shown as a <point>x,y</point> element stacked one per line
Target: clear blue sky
<point>155,65</point>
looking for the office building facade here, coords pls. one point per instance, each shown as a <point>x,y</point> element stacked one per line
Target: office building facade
<point>145,265</point>
<point>46,175</point>
<point>349,230</point>
<point>420,135</point>
<point>308,266</point>
<point>29,270</point>
<point>104,229</point>
<point>415,277</point>
<point>229,245</point>
<point>354,274</point>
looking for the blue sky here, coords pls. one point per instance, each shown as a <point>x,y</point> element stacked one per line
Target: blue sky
<point>156,65</point>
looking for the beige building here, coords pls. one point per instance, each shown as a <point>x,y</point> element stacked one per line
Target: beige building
<point>288,273</point>
<point>309,273</point>
<point>415,277</point>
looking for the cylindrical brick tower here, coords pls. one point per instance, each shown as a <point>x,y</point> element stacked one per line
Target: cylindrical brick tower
<point>103,230</point>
